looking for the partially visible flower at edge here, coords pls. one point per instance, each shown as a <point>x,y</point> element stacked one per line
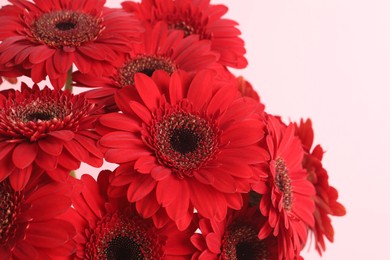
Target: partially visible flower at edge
<point>45,38</point>
<point>110,228</point>
<point>51,129</point>
<point>197,17</point>
<point>287,199</point>
<point>31,221</point>
<point>326,195</point>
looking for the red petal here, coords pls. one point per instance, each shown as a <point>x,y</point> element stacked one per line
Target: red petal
<point>40,54</point>
<point>125,155</point>
<point>148,206</point>
<point>91,194</point>
<point>76,150</point>
<point>145,164</point>
<point>48,208</point>
<point>51,145</point>
<point>141,187</point>
<point>64,135</point>
<point>141,111</point>
<point>24,154</point>
<point>175,89</point>
<point>199,92</point>
<point>120,122</point>
<point>19,178</point>
<point>46,161</point>
<point>148,90</point>
<point>48,234</point>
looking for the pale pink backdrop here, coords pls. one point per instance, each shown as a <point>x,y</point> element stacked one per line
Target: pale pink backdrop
<point>329,60</point>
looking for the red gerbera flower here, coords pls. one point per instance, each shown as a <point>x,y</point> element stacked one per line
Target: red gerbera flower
<point>43,38</point>
<point>112,229</point>
<point>47,128</point>
<point>196,17</point>
<point>234,238</point>
<point>31,226</point>
<point>186,138</point>
<point>160,50</point>
<point>326,195</point>
<point>287,199</point>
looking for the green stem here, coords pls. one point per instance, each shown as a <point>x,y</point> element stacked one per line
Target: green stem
<point>68,84</point>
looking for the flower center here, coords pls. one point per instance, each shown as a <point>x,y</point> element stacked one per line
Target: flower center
<point>283,182</point>
<point>66,28</point>
<point>123,248</point>
<point>183,26</point>
<point>39,111</point>
<point>9,201</point>
<point>184,141</point>
<point>120,237</point>
<point>189,27</point>
<point>144,64</point>
<point>241,243</point>
<point>32,114</point>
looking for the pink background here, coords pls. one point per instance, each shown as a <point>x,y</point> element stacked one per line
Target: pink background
<point>329,60</point>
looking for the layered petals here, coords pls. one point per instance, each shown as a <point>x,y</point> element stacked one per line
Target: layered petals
<point>47,128</point>
<point>177,139</point>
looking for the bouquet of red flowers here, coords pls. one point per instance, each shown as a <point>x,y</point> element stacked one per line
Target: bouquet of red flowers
<point>202,170</point>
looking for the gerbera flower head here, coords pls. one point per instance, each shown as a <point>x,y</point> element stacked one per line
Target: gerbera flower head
<point>184,136</point>
<point>287,199</point>
<point>31,223</point>
<point>196,17</point>
<point>47,128</point>
<point>160,49</point>
<point>326,196</point>
<point>234,238</point>
<point>44,38</point>
<point>110,228</point>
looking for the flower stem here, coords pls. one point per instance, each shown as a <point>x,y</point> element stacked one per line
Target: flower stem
<point>68,84</point>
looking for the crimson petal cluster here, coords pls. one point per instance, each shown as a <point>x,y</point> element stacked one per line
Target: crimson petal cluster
<point>202,171</point>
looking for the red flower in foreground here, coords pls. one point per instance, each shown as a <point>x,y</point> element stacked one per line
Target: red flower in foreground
<point>47,128</point>
<point>287,194</point>
<point>188,138</point>
<point>30,222</point>
<point>326,196</point>
<point>234,238</point>
<point>112,229</point>
<point>196,17</point>
<point>160,50</point>
<point>43,38</point>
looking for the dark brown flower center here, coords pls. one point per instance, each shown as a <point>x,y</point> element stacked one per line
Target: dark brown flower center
<point>144,64</point>
<point>9,201</point>
<point>184,141</point>
<point>120,237</point>
<point>39,111</point>
<point>283,182</point>
<point>123,248</point>
<point>66,28</point>
<point>32,115</point>
<point>240,242</point>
